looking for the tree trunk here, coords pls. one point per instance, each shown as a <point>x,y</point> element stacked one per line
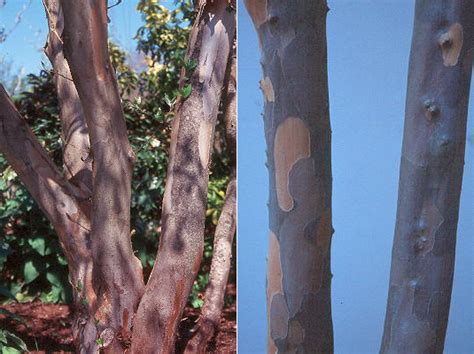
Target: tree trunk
<point>294,59</point>
<point>78,170</point>
<point>430,177</point>
<point>117,273</point>
<point>185,198</point>
<point>222,251</point>
<point>65,206</point>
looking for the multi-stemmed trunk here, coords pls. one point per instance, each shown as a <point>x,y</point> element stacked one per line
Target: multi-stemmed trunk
<point>430,177</point>
<point>292,38</point>
<point>89,206</point>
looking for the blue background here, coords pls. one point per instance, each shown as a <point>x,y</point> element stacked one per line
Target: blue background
<point>368,48</point>
<point>24,46</point>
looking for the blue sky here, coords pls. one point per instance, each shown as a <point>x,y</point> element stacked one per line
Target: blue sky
<point>24,46</point>
<point>368,48</point>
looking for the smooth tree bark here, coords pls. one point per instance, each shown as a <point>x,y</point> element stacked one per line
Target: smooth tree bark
<point>430,177</point>
<point>77,164</point>
<point>184,203</point>
<point>64,204</point>
<point>292,38</point>
<point>117,273</point>
<point>209,319</point>
<point>89,206</point>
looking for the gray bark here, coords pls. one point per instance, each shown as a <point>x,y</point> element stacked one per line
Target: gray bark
<point>184,203</point>
<point>292,37</point>
<point>430,177</point>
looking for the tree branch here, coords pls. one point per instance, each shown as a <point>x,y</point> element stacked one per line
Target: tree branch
<point>76,145</point>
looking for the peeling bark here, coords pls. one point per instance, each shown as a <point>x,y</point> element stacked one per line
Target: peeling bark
<point>117,274</point>
<point>292,37</point>
<point>222,251</point>
<point>184,203</point>
<point>430,177</point>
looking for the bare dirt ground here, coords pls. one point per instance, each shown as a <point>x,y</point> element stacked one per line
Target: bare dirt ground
<point>47,328</point>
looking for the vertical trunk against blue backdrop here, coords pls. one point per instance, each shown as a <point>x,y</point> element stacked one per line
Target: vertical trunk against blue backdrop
<point>292,37</point>
<point>430,177</point>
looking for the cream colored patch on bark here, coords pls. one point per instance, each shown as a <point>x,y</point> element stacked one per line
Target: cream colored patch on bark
<point>257,10</point>
<point>274,280</point>
<point>167,200</point>
<point>451,44</point>
<point>292,143</point>
<point>274,274</point>
<point>267,88</point>
<point>205,133</point>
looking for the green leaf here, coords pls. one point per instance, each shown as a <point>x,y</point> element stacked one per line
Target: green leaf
<point>30,272</point>
<point>197,303</point>
<point>15,344</point>
<point>54,279</point>
<point>186,91</point>
<point>38,244</point>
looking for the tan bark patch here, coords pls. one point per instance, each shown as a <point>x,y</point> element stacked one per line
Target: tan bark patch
<point>205,134</point>
<point>451,44</point>
<point>275,283</point>
<point>292,143</point>
<point>271,347</point>
<point>257,10</point>
<point>267,88</point>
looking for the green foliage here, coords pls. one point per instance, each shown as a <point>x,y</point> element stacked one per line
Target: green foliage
<point>32,264</point>
<point>10,342</point>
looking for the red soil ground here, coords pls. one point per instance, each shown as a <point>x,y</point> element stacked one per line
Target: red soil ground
<point>47,328</point>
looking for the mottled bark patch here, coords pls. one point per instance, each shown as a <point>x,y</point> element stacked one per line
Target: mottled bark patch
<point>292,143</point>
<point>205,137</point>
<point>302,260</point>
<point>267,89</point>
<point>451,43</point>
<point>257,10</point>
<point>296,335</point>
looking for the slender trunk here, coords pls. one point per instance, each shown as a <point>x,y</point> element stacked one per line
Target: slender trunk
<point>223,238</point>
<point>78,170</point>
<point>430,177</point>
<point>184,204</point>
<point>117,273</point>
<point>294,59</point>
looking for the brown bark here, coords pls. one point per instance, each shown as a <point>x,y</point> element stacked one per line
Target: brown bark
<point>430,177</point>
<point>222,251</point>
<point>65,205</point>
<point>78,170</point>
<point>184,203</point>
<point>292,37</point>
<point>75,134</point>
<point>117,273</point>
